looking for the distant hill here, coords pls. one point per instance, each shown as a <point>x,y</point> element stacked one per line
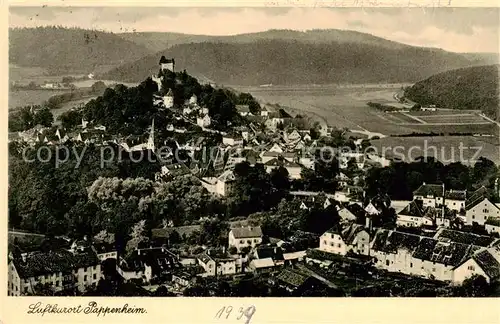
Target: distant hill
<point>70,49</point>
<point>466,88</point>
<point>296,62</point>
<point>158,41</point>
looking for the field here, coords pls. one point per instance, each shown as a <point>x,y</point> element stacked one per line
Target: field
<point>30,97</point>
<point>447,149</point>
<point>347,107</point>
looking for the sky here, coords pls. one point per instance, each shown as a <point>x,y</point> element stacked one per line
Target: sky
<point>452,29</point>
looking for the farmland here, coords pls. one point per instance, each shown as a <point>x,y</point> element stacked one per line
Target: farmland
<point>347,107</point>
<point>21,98</point>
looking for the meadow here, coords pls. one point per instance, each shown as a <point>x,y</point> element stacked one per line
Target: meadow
<point>20,98</point>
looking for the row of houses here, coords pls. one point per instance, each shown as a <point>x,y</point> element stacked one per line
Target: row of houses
<point>432,205</point>
<point>449,255</point>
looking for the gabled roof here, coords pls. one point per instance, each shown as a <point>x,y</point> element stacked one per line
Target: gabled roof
<point>275,253</point>
<point>227,176</point>
<point>434,190</point>
<point>449,235</point>
<point>246,232</point>
<point>43,263</point>
<point>493,221</point>
<point>488,263</point>
<point>412,209</point>
<point>178,169</point>
<point>455,194</point>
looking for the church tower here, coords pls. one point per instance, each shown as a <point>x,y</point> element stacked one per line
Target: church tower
<point>151,140</point>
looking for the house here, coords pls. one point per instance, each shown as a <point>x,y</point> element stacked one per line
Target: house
<point>421,256</point>
<point>266,258</point>
<point>449,235</point>
<point>264,111</point>
<point>168,99</point>
<point>217,265</point>
<point>243,110</point>
<point>187,110</point>
<point>148,263</point>
<point>492,225</point>
<point>242,237</point>
<point>353,238</point>
<point>485,263</point>
<point>479,208</point>
<point>346,215</point>
<point>203,120</point>
<point>294,169</point>
<point>193,100</point>
<point>413,216</point>
<point>342,180</point>
<point>105,250</point>
<point>371,209</point>
<point>60,270</point>
<point>455,199</point>
<point>431,195</point>
<point>269,155</point>
<point>175,170</point>
<point>221,185</point>
<point>264,265</point>
<point>233,140</point>
<point>167,64</point>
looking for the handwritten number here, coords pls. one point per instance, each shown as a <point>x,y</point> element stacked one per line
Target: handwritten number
<point>228,311</point>
<point>244,312</point>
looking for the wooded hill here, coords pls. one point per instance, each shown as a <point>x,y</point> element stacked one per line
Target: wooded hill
<point>467,88</point>
<point>296,62</point>
<point>67,50</point>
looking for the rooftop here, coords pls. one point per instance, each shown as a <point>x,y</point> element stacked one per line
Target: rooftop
<point>434,190</point>
<point>247,232</point>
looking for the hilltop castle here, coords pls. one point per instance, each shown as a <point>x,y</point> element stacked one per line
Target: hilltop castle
<point>167,64</point>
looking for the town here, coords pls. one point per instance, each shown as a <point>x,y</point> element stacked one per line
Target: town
<point>249,200</point>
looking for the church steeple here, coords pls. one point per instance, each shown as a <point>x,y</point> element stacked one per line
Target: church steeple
<point>151,139</point>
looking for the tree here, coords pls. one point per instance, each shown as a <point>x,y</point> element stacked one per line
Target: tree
<point>43,117</point>
<point>476,286</point>
<point>98,87</point>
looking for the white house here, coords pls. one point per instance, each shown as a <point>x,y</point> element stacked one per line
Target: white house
<point>264,112</point>
<point>431,195</point>
<point>492,225</point>
<point>232,140</point>
<point>485,262</point>
<point>412,216</point>
<point>221,185</point>
<point>59,269</point>
<point>203,121</point>
<point>294,169</point>
<point>168,99</point>
<point>353,238</point>
<point>241,237</point>
<point>214,265</point>
<point>479,209</point>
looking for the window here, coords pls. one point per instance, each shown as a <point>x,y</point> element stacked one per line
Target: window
<point>94,267</point>
<point>454,203</point>
<point>332,244</point>
<point>85,278</point>
<point>339,245</point>
<point>471,267</point>
<point>433,269</point>
<point>411,265</point>
<point>324,242</point>
<point>362,245</point>
<point>255,240</point>
<point>486,211</point>
<point>387,262</point>
<point>241,241</point>
<point>94,276</point>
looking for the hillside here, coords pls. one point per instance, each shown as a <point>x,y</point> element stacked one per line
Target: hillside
<point>70,49</point>
<point>294,62</point>
<point>467,88</point>
<point>158,41</point>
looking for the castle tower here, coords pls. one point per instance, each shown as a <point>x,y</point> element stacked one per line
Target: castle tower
<point>151,140</point>
<point>168,99</point>
<point>167,64</point>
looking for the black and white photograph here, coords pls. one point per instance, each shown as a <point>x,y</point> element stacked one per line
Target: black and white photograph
<point>253,152</point>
